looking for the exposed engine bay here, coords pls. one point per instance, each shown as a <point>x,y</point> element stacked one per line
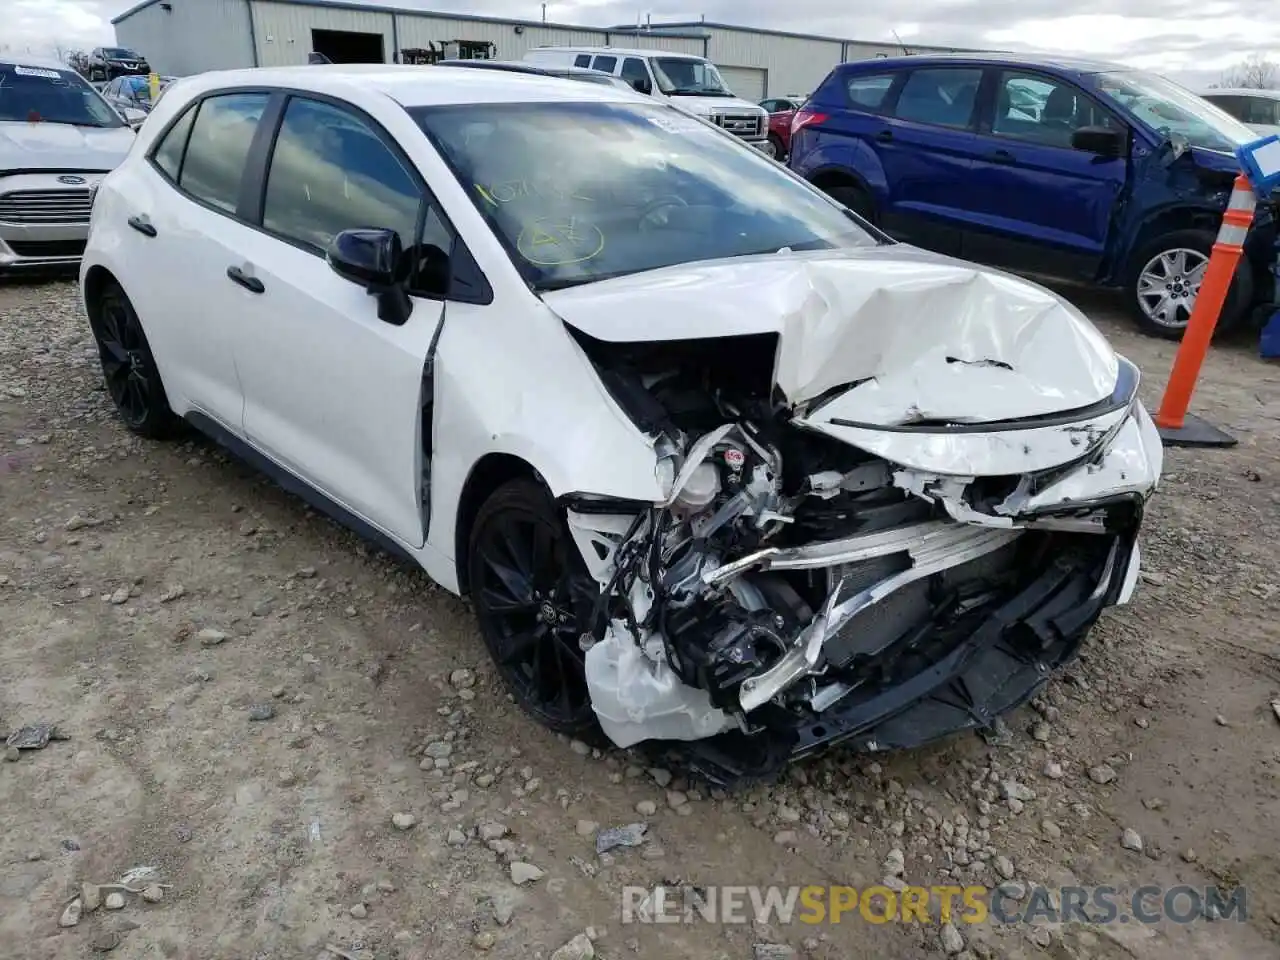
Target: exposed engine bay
<point>796,590</point>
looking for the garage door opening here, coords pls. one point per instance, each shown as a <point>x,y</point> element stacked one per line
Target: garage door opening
<point>347,46</point>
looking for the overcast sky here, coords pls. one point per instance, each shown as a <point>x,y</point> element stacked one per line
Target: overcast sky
<point>1191,40</point>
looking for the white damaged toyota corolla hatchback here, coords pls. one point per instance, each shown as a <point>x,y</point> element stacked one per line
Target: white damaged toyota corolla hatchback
<point>720,467</point>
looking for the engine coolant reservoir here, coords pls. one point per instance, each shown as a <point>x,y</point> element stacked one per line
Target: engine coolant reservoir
<point>699,492</point>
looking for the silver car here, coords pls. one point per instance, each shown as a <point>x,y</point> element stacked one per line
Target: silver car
<point>58,138</point>
<point>132,94</point>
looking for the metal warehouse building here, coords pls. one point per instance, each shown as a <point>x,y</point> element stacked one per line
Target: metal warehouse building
<point>181,37</point>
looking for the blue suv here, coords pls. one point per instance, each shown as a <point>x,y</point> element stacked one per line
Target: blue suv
<point>1073,169</point>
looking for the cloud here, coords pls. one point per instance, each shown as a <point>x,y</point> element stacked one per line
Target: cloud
<point>42,26</point>
<point>1192,40</point>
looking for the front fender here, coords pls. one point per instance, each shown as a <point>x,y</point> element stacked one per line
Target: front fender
<point>541,401</point>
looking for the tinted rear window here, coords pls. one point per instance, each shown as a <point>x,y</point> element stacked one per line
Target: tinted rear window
<point>943,96</point>
<point>868,91</point>
<point>219,146</point>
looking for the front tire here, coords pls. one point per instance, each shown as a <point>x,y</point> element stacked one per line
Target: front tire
<point>1164,279</point>
<point>531,600</point>
<point>775,143</point>
<point>129,368</point>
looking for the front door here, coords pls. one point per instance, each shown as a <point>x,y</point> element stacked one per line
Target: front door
<point>1041,204</point>
<point>333,393</point>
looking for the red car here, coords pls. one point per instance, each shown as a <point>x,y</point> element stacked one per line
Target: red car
<point>781,110</point>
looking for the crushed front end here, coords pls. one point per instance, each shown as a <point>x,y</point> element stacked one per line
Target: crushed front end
<point>813,578</point>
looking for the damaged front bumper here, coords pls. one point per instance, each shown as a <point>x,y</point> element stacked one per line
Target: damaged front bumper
<point>1012,539</point>
<point>1008,653</point>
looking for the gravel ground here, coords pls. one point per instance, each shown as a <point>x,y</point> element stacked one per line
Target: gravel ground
<point>306,743</point>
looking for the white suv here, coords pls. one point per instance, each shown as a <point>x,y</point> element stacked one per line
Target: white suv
<point>714,460</point>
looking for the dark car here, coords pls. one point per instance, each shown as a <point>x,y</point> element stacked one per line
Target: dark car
<point>781,110</point>
<point>1074,169</point>
<point>132,91</point>
<point>107,63</point>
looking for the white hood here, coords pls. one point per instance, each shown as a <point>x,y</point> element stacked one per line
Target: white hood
<point>708,106</point>
<point>922,336</point>
<point>61,146</point>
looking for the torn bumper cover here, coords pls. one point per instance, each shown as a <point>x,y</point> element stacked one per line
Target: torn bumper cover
<point>900,537</point>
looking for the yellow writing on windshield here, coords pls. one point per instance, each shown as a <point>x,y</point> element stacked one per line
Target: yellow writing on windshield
<point>497,194</point>
<point>559,242</point>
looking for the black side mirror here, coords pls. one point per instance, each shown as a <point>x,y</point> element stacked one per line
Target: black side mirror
<point>1104,141</point>
<point>642,85</point>
<point>373,258</point>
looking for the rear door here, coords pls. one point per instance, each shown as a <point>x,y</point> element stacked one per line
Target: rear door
<point>184,227</point>
<point>1041,204</point>
<point>927,143</point>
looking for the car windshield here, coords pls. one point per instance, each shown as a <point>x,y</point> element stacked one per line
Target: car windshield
<point>686,77</point>
<point>579,192</point>
<point>138,88</point>
<point>1174,111</point>
<point>47,95</point>
<point>120,53</point>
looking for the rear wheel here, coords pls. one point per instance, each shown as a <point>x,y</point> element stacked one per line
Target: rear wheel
<point>776,148</point>
<point>531,599</point>
<point>1164,281</point>
<point>855,198</point>
<point>128,367</point>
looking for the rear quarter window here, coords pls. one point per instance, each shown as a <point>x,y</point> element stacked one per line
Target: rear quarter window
<point>868,91</point>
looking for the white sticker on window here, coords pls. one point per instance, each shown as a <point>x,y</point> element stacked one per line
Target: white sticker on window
<point>37,72</point>
<point>675,124</point>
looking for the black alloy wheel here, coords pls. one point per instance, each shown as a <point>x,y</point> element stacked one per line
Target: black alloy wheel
<point>532,594</point>
<point>132,379</point>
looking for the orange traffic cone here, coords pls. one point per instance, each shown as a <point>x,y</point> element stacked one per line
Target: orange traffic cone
<point>1177,427</point>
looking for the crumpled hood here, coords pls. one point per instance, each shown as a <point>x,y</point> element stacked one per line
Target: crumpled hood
<point>60,146</point>
<point>915,336</point>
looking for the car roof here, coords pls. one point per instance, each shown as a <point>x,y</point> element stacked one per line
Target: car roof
<point>1050,61</point>
<point>411,85</point>
<point>513,66</point>
<point>621,52</point>
<point>1241,92</point>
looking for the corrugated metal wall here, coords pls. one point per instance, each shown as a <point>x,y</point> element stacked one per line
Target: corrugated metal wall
<point>420,32</point>
<point>511,41</point>
<point>652,41</point>
<point>284,29</point>
<point>794,64</point>
<point>198,35</point>
<point>191,37</point>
